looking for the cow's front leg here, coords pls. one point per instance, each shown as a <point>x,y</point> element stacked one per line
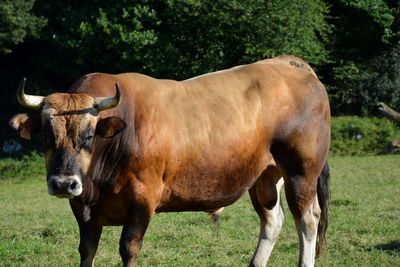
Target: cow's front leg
<point>132,236</point>
<point>89,240</point>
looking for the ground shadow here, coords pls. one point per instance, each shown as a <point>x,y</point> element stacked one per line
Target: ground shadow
<point>391,247</point>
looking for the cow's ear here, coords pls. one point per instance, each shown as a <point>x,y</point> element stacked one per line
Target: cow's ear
<point>110,126</point>
<point>26,125</point>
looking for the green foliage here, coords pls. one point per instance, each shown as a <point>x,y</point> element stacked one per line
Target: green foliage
<point>29,165</point>
<point>365,31</point>
<point>378,10</point>
<point>349,98</point>
<point>17,22</point>
<point>100,35</point>
<point>201,36</point>
<point>179,39</point>
<point>296,27</point>
<point>362,136</point>
<point>384,85</point>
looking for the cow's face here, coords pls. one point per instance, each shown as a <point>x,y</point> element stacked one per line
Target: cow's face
<point>69,124</point>
<point>68,139</point>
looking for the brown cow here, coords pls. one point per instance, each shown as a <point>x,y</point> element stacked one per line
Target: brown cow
<point>194,145</point>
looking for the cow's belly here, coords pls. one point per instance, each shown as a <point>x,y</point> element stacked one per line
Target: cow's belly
<point>206,187</point>
<point>202,201</point>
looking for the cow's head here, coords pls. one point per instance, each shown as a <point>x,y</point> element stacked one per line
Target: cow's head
<point>69,123</point>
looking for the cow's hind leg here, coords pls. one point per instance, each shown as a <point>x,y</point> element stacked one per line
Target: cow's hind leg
<point>266,201</point>
<point>307,197</point>
<point>307,226</point>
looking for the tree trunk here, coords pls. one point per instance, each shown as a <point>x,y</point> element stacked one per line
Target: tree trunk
<point>388,112</point>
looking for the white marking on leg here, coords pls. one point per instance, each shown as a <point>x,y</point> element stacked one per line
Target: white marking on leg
<point>216,215</point>
<point>269,231</point>
<point>307,229</point>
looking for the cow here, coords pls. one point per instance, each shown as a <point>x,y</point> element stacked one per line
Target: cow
<point>124,147</point>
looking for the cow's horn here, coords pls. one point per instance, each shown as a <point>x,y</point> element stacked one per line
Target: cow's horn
<point>103,103</point>
<point>29,101</point>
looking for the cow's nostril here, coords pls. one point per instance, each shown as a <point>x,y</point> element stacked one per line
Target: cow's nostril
<point>55,185</point>
<point>73,185</point>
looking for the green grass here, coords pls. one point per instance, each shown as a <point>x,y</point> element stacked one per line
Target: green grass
<point>39,230</point>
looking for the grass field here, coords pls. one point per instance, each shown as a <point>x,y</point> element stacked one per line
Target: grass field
<point>364,230</point>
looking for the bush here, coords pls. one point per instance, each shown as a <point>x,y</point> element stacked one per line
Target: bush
<point>25,167</point>
<point>362,136</point>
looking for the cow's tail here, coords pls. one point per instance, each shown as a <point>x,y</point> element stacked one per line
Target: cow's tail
<point>323,200</point>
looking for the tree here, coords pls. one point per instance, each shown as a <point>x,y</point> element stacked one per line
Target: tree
<point>17,22</point>
<point>364,33</point>
<point>384,85</point>
<point>179,39</point>
<point>97,35</point>
<point>201,36</point>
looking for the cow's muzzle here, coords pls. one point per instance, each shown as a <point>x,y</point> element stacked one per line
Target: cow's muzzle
<point>64,186</point>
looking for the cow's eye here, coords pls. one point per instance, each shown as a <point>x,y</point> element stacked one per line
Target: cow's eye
<point>87,142</point>
<point>86,138</point>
